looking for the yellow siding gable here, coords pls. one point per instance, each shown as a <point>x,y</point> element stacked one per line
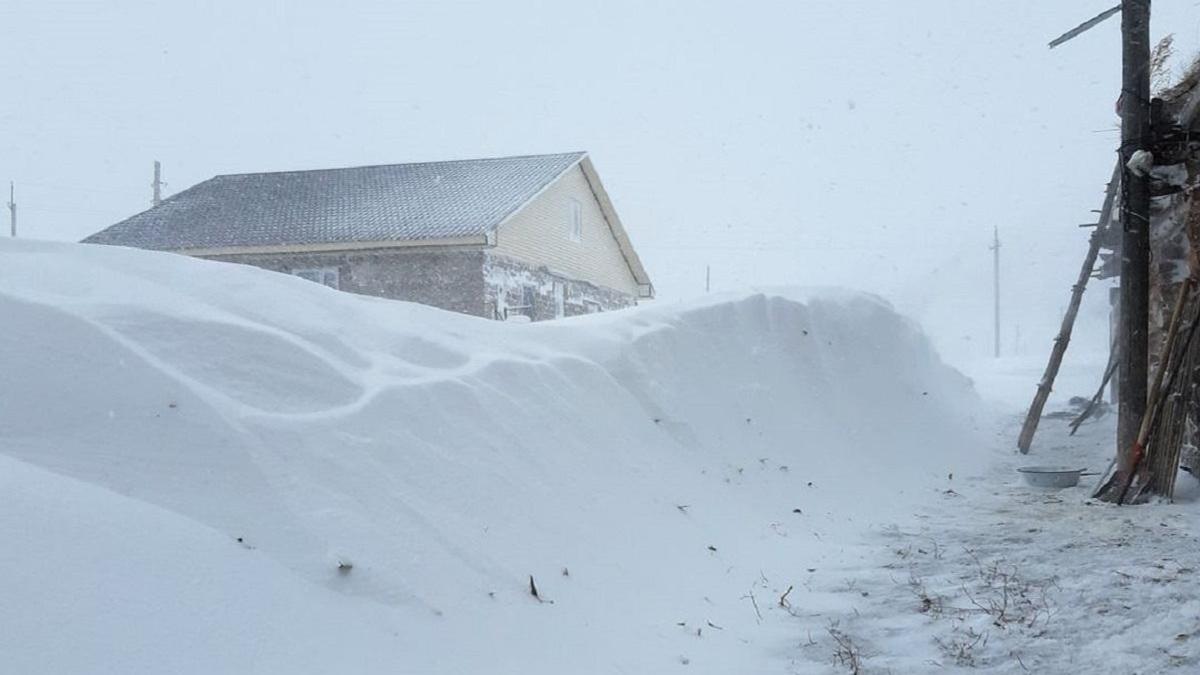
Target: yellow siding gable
<point>541,234</point>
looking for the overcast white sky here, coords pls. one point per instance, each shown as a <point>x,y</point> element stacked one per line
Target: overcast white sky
<point>872,144</point>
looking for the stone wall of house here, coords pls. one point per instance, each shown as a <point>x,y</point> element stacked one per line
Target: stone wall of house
<point>515,288</point>
<point>468,281</point>
<point>449,279</point>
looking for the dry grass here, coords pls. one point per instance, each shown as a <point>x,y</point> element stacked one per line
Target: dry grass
<point>846,652</point>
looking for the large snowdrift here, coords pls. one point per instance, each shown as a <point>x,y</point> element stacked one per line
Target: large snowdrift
<point>212,468</point>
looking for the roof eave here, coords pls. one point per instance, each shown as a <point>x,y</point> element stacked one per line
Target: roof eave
<point>454,242</point>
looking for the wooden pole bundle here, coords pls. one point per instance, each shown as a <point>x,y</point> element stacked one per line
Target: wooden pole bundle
<point>1170,425</point>
<point>1132,463</point>
<point>1162,464</point>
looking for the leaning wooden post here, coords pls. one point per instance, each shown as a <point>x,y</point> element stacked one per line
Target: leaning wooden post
<point>1025,440</point>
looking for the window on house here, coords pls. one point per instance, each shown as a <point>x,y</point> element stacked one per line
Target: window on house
<point>322,275</point>
<point>519,302</point>
<point>576,220</point>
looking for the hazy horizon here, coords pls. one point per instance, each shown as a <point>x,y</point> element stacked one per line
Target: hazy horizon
<point>872,145</point>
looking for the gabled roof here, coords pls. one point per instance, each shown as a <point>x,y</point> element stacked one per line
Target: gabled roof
<point>617,228</point>
<point>360,205</point>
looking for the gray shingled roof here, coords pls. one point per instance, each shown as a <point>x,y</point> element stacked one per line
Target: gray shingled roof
<point>395,202</point>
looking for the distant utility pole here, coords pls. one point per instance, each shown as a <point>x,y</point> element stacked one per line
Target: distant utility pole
<point>157,184</point>
<point>12,209</point>
<point>996,285</point>
<point>707,278</point>
<point>1135,224</point>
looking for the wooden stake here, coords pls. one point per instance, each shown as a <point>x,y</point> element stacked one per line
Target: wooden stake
<point>1098,396</point>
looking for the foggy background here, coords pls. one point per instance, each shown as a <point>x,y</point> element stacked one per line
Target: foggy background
<point>866,144</point>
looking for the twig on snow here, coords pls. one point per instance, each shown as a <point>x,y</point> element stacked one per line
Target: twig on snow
<point>783,601</point>
<point>754,602</point>
<point>847,653</point>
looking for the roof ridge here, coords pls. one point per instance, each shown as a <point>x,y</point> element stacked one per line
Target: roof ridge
<point>575,153</point>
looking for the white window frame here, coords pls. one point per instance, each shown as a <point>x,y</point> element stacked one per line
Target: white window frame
<point>575,220</point>
<point>328,276</point>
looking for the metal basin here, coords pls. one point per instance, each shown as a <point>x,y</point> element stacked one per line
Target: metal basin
<point>1051,476</point>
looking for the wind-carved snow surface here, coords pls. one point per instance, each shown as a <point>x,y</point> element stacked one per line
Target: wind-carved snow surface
<point>213,468</point>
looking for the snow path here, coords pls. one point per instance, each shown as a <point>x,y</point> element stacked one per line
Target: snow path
<point>997,577</point>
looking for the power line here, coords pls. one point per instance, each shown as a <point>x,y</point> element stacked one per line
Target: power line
<point>75,187</point>
<point>43,209</point>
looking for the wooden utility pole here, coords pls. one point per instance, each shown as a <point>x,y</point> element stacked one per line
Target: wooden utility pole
<point>1133,338</point>
<point>157,184</point>
<point>12,209</point>
<point>996,284</point>
<point>707,278</point>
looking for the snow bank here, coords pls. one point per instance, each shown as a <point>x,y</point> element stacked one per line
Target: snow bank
<point>195,447</point>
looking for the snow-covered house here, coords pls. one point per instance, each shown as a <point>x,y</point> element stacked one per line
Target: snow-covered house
<point>535,236</point>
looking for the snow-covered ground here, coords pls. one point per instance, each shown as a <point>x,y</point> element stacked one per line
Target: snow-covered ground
<point>212,468</point>
<point>999,577</point>
<point>995,576</point>
<point>221,469</point>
